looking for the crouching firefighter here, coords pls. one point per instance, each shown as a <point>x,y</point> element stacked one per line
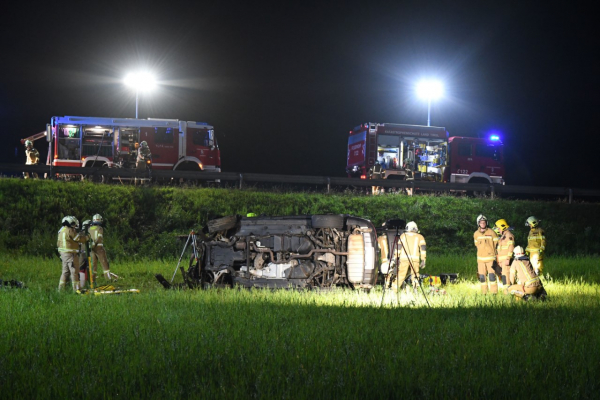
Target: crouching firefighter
<point>68,248</point>
<point>529,284</point>
<point>97,251</point>
<point>486,241</point>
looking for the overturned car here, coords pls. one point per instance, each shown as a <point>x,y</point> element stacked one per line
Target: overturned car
<point>308,251</point>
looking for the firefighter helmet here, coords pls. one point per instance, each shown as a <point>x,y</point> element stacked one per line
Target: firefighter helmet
<point>532,222</point>
<point>66,219</point>
<point>412,227</point>
<point>495,229</point>
<point>97,218</point>
<point>502,225</point>
<point>86,223</point>
<point>28,143</point>
<point>144,144</point>
<point>518,251</point>
<point>74,222</point>
<point>480,218</point>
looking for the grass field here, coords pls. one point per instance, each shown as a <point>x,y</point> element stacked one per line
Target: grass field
<point>291,344</point>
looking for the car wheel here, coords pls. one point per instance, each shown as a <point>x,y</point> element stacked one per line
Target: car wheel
<point>328,221</point>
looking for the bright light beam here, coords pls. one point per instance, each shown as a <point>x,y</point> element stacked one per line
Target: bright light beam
<point>429,90</point>
<point>141,82</point>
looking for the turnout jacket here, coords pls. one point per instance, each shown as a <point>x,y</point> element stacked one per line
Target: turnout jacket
<point>506,245</point>
<point>522,270</point>
<point>536,241</point>
<point>96,236</point>
<point>415,246</point>
<point>486,243</point>
<point>68,240</point>
<point>32,156</point>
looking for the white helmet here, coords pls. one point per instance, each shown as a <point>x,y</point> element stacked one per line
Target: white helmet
<point>532,222</point>
<point>97,218</point>
<point>480,218</point>
<point>144,144</point>
<point>74,222</point>
<point>518,251</point>
<point>86,223</point>
<point>412,227</point>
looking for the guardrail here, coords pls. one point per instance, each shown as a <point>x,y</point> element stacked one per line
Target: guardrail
<point>243,178</point>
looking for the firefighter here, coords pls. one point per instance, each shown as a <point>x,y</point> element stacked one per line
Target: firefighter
<point>84,267</point>
<point>412,252</point>
<point>143,154</point>
<point>376,173</point>
<point>68,248</point>
<point>97,251</point>
<point>506,245</point>
<point>529,284</point>
<point>536,244</point>
<point>32,157</point>
<point>486,241</point>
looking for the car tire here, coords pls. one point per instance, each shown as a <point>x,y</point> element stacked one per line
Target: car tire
<point>328,221</point>
<point>222,224</point>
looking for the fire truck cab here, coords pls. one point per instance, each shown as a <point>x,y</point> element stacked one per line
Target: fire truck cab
<point>113,142</point>
<point>414,152</point>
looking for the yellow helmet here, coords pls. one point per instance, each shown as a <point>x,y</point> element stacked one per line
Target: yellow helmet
<point>497,230</point>
<point>532,222</point>
<point>502,225</point>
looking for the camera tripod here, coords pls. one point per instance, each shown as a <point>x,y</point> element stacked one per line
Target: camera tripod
<point>395,256</point>
<point>192,237</point>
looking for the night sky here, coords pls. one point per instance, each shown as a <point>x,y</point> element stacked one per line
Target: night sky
<point>283,84</point>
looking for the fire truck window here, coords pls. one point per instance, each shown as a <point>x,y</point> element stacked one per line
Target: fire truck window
<point>163,135</point>
<point>488,152</point>
<point>203,137</point>
<point>465,150</point>
<point>69,132</point>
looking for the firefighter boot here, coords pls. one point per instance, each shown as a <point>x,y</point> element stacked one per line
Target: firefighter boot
<point>493,283</point>
<point>484,285</point>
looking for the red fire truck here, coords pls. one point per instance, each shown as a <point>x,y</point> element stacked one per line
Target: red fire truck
<point>112,142</point>
<point>423,153</point>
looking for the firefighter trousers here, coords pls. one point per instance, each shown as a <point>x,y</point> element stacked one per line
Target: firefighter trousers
<point>537,262</point>
<point>70,270</point>
<point>485,272</point>
<point>405,270</point>
<point>98,255</point>
<point>521,290</point>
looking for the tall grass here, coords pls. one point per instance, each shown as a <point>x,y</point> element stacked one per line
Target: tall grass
<point>296,344</point>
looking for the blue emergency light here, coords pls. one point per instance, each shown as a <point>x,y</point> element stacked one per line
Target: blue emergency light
<point>494,138</point>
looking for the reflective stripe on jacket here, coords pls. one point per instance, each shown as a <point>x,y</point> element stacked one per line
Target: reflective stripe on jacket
<point>536,240</point>
<point>415,246</point>
<point>96,235</point>
<point>68,240</point>
<point>31,156</point>
<point>523,271</point>
<point>506,245</point>
<point>485,242</point>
